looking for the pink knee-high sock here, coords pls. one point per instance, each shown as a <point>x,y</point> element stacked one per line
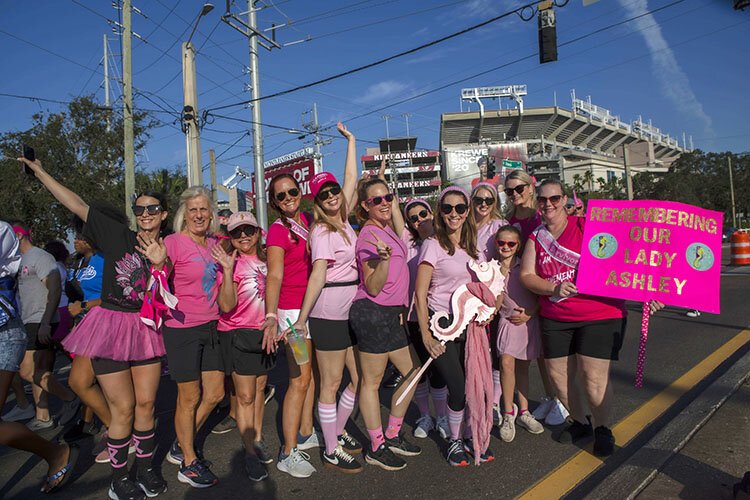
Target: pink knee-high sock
<point>394,426</point>
<point>376,438</point>
<point>422,398</point>
<point>346,405</point>
<point>327,418</point>
<point>497,389</point>
<point>455,419</point>
<point>440,399</point>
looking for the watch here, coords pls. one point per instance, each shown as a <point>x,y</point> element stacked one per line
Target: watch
<point>84,306</point>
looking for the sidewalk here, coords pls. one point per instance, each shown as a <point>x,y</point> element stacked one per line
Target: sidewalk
<point>715,458</point>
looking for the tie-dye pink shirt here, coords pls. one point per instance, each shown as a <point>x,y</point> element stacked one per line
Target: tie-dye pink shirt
<point>250,312</point>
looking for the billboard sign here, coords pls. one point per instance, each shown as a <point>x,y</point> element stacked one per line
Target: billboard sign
<point>301,168</point>
<point>465,163</point>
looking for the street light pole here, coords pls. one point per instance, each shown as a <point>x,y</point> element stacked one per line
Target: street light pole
<point>731,191</point>
<point>127,112</point>
<point>260,174</point>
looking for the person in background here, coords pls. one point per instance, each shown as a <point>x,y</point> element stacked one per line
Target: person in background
<point>57,250</point>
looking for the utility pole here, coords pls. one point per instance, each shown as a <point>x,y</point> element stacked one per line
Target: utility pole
<point>127,109</point>
<point>731,191</point>
<point>628,180</point>
<point>212,163</point>
<point>394,173</point>
<point>106,76</point>
<point>314,127</point>
<point>190,117</point>
<point>260,174</point>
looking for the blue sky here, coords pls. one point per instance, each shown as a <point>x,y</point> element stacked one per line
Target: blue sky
<point>684,67</point>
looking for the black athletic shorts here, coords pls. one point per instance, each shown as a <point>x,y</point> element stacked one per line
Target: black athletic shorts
<point>103,366</point>
<point>242,352</point>
<point>597,339</point>
<point>32,342</point>
<point>192,350</point>
<point>378,329</point>
<point>331,334</point>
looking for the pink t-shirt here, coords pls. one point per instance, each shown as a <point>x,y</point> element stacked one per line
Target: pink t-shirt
<point>296,263</point>
<point>250,312</point>
<point>334,302</point>
<point>449,272</point>
<point>193,281</point>
<point>526,226</point>
<point>412,261</point>
<point>577,307</point>
<point>486,239</point>
<point>395,292</point>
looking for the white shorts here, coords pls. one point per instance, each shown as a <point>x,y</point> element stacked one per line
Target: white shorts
<point>291,315</point>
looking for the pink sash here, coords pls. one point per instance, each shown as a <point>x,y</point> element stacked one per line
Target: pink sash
<point>295,227</point>
<point>564,256</point>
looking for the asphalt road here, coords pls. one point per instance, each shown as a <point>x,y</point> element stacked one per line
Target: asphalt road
<point>676,343</point>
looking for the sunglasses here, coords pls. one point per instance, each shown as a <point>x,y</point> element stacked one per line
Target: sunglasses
<point>377,200</point>
<point>542,200</point>
<point>281,196</point>
<point>461,208</point>
<point>324,195</point>
<point>246,229</point>
<point>489,201</point>
<point>151,209</point>
<point>421,215</point>
<point>509,244</point>
<point>518,189</point>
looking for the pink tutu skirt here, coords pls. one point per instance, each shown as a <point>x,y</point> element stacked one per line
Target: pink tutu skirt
<point>121,336</point>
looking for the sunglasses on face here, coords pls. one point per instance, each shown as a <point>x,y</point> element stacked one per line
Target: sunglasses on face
<point>247,230</point>
<point>489,201</point>
<point>281,196</point>
<point>151,209</point>
<point>509,244</point>
<point>324,195</point>
<point>542,200</point>
<point>421,215</point>
<point>460,209</point>
<point>377,200</point>
<point>518,189</point>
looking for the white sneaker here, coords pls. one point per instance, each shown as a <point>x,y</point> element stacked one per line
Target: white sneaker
<point>545,405</point>
<point>441,424</point>
<point>424,426</point>
<point>557,414</point>
<point>528,422</point>
<point>508,427</point>
<point>693,314</point>
<point>312,441</point>
<point>16,414</point>
<point>296,464</point>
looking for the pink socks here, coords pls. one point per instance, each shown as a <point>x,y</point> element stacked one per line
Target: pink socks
<point>394,426</point>
<point>497,389</point>
<point>346,405</point>
<point>376,438</point>
<point>327,418</point>
<point>422,398</point>
<point>455,419</point>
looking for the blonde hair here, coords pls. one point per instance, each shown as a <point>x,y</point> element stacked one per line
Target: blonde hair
<point>495,214</point>
<point>321,217</point>
<point>523,176</point>
<point>191,193</point>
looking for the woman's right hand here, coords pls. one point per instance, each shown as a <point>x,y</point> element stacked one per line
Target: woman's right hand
<point>270,335</point>
<point>564,290</point>
<point>434,348</point>
<point>225,260</point>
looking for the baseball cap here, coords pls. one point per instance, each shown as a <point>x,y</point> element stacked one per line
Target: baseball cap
<point>319,180</point>
<point>241,219</point>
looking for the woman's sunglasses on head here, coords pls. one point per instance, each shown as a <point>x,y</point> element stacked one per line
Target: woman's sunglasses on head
<point>377,200</point>
<point>247,230</point>
<point>421,215</point>
<point>324,195</point>
<point>281,196</point>
<point>460,209</point>
<point>151,209</point>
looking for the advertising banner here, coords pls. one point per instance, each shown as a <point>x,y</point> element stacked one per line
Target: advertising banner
<point>643,250</point>
<point>465,164</point>
<point>302,169</point>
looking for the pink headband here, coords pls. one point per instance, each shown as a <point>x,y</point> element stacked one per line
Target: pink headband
<point>486,185</point>
<point>416,201</point>
<point>20,230</point>
<point>454,189</point>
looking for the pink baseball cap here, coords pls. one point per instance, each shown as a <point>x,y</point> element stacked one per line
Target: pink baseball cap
<point>241,219</point>
<point>319,180</point>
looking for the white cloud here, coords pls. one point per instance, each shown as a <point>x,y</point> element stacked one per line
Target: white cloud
<point>382,91</point>
<point>674,83</point>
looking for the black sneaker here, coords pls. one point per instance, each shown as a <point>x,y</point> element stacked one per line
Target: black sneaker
<point>384,458</point>
<point>226,425</point>
<point>401,446</point>
<point>604,442</point>
<point>349,444</point>
<point>125,489</point>
<point>341,461</point>
<point>573,432</point>
<point>456,454</point>
<point>150,481</point>
<point>175,455</point>
<point>197,475</point>
<point>255,469</point>
<point>393,380</point>
<point>261,451</point>
<point>487,456</point>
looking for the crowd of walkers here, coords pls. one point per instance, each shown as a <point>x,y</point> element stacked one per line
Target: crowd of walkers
<point>215,301</point>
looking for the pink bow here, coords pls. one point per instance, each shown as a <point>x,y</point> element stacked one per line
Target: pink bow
<point>157,300</point>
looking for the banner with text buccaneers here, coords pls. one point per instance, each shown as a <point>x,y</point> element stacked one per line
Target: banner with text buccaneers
<point>645,249</point>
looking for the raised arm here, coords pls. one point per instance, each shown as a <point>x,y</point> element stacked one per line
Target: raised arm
<point>68,198</point>
<point>350,168</point>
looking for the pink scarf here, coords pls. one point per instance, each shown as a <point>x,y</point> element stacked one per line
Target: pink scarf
<point>157,300</point>
<point>479,376</point>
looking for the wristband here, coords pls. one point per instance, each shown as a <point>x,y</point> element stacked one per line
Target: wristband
<point>84,306</point>
<point>271,315</point>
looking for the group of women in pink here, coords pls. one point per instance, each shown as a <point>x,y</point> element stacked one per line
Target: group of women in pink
<point>361,301</point>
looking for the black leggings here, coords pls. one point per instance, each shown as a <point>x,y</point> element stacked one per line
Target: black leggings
<point>415,336</point>
<point>450,366</point>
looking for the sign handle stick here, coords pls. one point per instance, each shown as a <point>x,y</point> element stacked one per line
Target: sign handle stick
<point>416,379</point>
<point>646,314</point>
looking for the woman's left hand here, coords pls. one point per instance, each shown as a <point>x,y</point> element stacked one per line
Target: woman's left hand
<point>520,317</point>
<point>153,249</point>
<point>344,131</point>
<point>655,306</point>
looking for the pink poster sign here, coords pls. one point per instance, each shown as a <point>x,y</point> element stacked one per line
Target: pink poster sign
<point>645,249</point>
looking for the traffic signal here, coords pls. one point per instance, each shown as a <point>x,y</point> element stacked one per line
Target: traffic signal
<point>491,168</point>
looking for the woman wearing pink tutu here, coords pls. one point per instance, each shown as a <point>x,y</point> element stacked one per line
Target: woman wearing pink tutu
<point>518,337</point>
<point>124,351</point>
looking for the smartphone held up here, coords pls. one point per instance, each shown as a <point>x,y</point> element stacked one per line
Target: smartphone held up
<point>28,153</point>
